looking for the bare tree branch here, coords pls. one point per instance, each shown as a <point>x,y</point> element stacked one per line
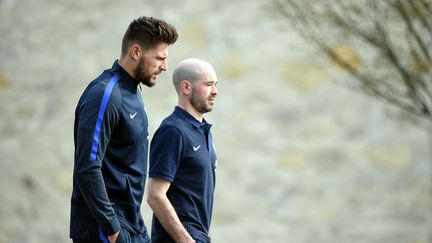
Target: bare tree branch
<point>404,15</point>
<point>403,77</point>
<point>424,16</point>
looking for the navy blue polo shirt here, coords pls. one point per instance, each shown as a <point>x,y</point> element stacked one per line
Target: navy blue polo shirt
<point>182,152</point>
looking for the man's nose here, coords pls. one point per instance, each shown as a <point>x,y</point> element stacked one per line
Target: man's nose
<point>215,90</point>
<point>164,65</point>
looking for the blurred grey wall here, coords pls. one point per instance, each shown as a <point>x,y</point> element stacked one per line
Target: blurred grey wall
<point>302,158</point>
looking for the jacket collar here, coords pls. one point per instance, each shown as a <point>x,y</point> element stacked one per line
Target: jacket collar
<point>125,78</point>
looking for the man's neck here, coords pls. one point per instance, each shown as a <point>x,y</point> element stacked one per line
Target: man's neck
<point>192,111</point>
<point>126,66</point>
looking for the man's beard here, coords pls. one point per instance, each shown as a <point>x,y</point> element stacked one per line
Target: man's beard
<point>142,76</point>
<point>199,103</point>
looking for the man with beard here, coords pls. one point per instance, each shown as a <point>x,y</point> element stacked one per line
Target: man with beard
<point>183,159</point>
<point>111,139</point>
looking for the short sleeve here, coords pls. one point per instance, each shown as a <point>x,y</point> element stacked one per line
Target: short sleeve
<point>165,152</point>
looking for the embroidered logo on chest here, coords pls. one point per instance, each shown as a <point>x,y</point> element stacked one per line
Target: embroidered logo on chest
<point>132,115</point>
<point>196,148</point>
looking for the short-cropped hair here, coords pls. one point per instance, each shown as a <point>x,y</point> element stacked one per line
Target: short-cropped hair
<point>148,32</point>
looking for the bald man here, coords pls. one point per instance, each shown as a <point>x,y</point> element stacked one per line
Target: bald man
<point>183,159</point>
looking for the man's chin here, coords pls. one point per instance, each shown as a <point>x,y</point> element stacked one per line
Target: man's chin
<point>149,82</point>
<point>207,109</point>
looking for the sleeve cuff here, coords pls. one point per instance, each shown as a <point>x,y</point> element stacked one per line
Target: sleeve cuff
<point>111,227</point>
<point>161,176</point>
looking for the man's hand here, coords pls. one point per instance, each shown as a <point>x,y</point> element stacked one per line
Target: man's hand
<point>113,238</point>
<point>190,240</point>
<point>164,211</point>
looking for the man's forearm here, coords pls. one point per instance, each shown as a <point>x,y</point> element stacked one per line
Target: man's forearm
<point>93,190</point>
<point>167,216</point>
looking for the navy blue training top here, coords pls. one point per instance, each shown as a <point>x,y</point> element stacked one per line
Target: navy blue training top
<point>182,152</point>
<point>111,149</point>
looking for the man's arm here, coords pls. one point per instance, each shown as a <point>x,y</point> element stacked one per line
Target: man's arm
<point>93,131</point>
<point>164,211</point>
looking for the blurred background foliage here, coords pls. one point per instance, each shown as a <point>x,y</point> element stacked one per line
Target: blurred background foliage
<point>385,46</point>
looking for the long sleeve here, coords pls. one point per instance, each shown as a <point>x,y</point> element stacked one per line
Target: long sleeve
<point>98,113</point>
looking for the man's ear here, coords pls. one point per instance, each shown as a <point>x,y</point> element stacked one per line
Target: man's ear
<point>186,87</point>
<point>135,52</point>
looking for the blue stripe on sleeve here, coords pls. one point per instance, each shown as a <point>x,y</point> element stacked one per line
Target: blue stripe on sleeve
<point>102,236</point>
<point>105,98</point>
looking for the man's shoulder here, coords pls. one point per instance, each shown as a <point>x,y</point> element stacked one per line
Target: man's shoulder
<point>100,83</point>
<point>172,125</point>
<point>174,121</point>
<point>103,87</point>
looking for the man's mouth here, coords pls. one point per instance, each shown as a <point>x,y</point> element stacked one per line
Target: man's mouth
<point>157,73</point>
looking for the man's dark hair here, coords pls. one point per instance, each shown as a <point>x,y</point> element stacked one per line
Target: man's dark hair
<point>148,32</point>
